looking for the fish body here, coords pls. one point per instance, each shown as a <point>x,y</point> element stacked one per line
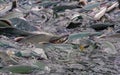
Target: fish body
<point>44,38</point>
<point>37,38</point>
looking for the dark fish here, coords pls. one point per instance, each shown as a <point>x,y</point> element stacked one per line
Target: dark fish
<point>14,5</point>
<point>73,25</point>
<point>101,26</point>
<point>9,31</point>
<point>64,7</point>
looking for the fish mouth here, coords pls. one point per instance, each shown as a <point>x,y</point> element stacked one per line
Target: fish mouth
<point>58,40</point>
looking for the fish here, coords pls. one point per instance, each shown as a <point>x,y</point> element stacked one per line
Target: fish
<point>44,38</point>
